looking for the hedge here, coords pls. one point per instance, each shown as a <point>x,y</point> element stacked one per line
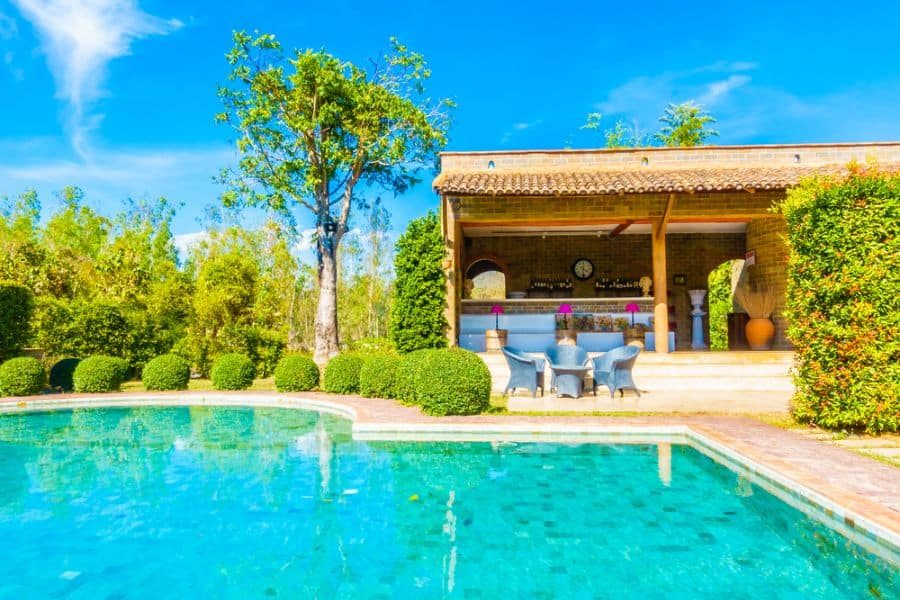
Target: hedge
<point>407,376</point>
<point>98,374</point>
<point>16,307</point>
<point>166,372</point>
<point>417,312</point>
<point>378,375</point>
<point>22,376</point>
<point>233,372</point>
<point>296,373</point>
<point>842,299</point>
<point>453,381</point>
<point>61,374</point>
<point>342,374</point>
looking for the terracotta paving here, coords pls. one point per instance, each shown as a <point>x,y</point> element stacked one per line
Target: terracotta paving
<point>856,483</point>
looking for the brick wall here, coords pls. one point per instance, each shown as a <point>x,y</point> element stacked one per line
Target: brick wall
<point>629,256</point>
<point>766,237</point>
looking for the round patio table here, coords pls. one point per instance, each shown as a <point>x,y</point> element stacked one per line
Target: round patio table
<point>569,380</point>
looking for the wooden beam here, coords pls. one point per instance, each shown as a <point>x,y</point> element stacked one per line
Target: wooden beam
<point>660,279</point>
<point>620,228</point>
<point>452,230</point>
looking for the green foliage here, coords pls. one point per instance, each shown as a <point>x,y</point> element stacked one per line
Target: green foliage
<point>61,374</point>
<point>453,381</point>
<point>843,299</point>
<point>233,372</point>
<point>16,307</point>
<point>98,374</point>
<point>720,304</point>
<point>23,376</point>
<point>166,372</point>
<point>296,373</point>
<point>377,377</point>
<point>685,124</point>
<point>373,344</point>
<point>342,374</point>
<point>417,315</point>
<point>407,376</point>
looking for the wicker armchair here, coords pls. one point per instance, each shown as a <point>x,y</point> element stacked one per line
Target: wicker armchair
<point>613,369</point>
<point>524,371</point>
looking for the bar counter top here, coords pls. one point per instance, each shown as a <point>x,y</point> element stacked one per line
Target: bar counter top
<point>551,305</point>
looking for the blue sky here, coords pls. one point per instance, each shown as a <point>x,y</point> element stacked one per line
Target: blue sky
<point>118,97</point>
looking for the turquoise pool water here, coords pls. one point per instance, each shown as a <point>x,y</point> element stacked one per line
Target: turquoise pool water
<point>242,503</point>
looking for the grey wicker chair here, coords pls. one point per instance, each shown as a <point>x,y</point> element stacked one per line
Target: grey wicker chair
<point>524,371</point>
<point>565,355</point>
<point>613,369</point>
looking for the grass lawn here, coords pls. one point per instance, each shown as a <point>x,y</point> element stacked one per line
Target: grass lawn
<point>205,385</point>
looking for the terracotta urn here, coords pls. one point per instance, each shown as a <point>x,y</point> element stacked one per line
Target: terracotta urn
<point>760,333</point>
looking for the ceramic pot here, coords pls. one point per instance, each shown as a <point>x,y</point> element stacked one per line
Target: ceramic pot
<point>760,333</point>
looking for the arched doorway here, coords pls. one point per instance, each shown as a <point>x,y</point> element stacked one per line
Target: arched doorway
<point>722,281</point>
<point>485,280</point>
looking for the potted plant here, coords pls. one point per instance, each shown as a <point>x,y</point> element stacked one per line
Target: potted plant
<point>565,333</point>
<point>758,304</point>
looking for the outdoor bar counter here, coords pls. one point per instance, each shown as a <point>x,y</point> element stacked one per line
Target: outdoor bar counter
<point>532,322</point>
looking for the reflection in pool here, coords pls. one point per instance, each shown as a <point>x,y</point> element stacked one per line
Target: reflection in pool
<point>232,502</point>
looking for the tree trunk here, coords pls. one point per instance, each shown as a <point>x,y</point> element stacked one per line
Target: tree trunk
<point>326,314</point>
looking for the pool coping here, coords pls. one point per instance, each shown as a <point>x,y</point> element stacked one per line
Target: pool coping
<point>867,522</point>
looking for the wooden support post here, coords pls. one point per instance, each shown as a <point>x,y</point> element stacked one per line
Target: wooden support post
<point>452,231</point>
<point>660,277</point>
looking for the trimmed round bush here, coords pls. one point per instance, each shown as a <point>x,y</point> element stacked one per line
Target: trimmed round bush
<point>166,372</point>
<point>98,374</point>
<point>233,372</point>
<point>342,374</point>
<point>23,376</point>
<point>407,375</point>
<point>61,374</point>
<point>453,381</point>
<point>296,373</point>
<point>378,375</point>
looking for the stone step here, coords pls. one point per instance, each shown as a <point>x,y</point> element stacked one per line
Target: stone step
<point>708,401</point>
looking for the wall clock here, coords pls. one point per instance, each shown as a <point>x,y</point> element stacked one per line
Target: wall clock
<point>583,269</point>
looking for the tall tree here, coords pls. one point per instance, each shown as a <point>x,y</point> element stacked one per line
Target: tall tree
<point>685,124</point>
<point>313,130</point>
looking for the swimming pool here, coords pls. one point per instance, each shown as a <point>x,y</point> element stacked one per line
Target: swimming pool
<point>238,502</point>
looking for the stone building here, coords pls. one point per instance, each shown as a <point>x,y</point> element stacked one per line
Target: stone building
<point>581,228</point>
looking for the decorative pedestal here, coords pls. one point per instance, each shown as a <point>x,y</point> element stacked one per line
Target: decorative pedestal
<point>566,337</point>
<point>494,339</point>
<point>697,342</point>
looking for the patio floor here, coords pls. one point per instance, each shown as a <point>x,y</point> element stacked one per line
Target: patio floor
<point>694,382</point>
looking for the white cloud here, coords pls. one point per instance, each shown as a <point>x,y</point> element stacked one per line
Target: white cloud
<point>518,127</point>
<point>80,38</point>
<point>8,27</point>
<point>186,241</point>
<point>717,89</point>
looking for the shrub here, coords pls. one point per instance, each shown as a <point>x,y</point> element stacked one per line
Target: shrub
<point>166,372</point>
<point>16,307</point>
<point>100,374</point>
<point>453,381</point>
<point>61,374</point>
<point>842,303</point>
<point>407,376</point>
<point>342,374</point>
<point>22,376</point>
<point>296,373</point>
<point>417,312</point>
<point>233,372</point>
<point>378,375</point>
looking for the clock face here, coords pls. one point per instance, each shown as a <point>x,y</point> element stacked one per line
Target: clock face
<point>583,268</point>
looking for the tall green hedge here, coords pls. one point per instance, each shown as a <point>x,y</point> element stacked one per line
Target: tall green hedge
<point>843,299</point>
<point>16,306</point>
<point>417,313</point>
<point>720,304</point>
